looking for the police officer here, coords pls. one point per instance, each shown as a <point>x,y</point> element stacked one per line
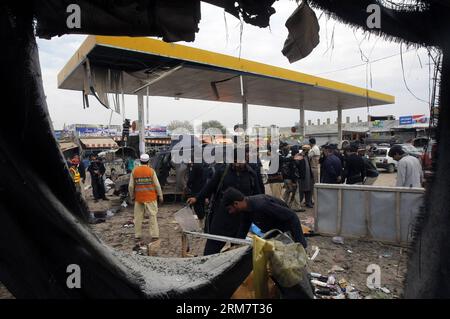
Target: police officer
<point>239,175</point>
<point>197,177</point>
<point>97,170</point>
<point>291,177</point>
<point>331,168</point>
<point>354,169</point>
<point>266,212</point>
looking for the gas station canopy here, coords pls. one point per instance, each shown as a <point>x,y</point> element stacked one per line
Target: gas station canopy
<point>178,71</point>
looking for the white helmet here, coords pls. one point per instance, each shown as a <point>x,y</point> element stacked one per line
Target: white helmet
<point>144,158</point>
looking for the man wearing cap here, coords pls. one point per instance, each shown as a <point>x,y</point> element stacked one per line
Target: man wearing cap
<point>331,166</point>
<point>75,173</point>
<point>291,175</point>
<point>314,155</point>
<point>409,169</point>
<point>144,188</point>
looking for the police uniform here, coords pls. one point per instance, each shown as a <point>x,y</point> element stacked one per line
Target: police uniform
<point>220,221</point>
<point>97,169</point>
<point>144,187</point>
<point>268,212</point>
<point>196,180</point>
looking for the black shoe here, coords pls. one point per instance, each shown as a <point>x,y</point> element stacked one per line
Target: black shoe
<point>299,210</point>
<point>104,198</point>
<point>310,206</point>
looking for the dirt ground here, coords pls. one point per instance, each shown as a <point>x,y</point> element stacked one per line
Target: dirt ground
<point>354,256</point>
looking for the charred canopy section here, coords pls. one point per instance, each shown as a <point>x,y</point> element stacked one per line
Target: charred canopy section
<point>173,20</point>
<point>424,24</point>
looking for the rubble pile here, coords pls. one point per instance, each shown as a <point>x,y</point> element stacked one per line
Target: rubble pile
<point>329,287</point>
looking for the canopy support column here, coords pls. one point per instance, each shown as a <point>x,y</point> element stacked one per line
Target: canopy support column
<point>301,123</point>
<point>244,103</point>
<point>141,121</point>
<point>339,123</point>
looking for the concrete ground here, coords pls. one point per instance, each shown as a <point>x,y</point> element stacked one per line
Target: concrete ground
<point>385,178</point>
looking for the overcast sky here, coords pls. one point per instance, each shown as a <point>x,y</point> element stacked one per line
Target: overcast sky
<point>262,45</point>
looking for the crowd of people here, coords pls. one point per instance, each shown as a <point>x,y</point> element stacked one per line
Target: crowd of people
<point>301,166</point>
<point>228,197</point>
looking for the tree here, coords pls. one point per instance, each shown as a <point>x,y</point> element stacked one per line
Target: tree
<point>213,124</point>
<point>180,125</point>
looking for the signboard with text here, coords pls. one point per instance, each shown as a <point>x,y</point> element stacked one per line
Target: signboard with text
<point>413,119</point>
<point>96,131</point>
<point>156,131</point>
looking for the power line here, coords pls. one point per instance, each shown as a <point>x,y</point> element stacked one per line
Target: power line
<point>404,78</point>
<point>364,64</point>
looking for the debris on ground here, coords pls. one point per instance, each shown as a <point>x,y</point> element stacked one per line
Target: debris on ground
<point>128,224</point>
<point>153,247</point>
<point>336,268</point>
<point>316,252</point>
<point>338,240</point>
<point>353,295</point>
<point>118,233</point>
<point>385,255</point>
<point>385,290</point>
<point>343,283</point>
<point>331,280</point>
<point>326,287</point>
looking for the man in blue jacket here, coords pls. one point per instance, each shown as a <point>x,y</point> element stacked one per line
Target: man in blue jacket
<point>331,168</point>
<point>266,212</point>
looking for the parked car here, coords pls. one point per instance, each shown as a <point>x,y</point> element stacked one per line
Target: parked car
<point>382,160</point>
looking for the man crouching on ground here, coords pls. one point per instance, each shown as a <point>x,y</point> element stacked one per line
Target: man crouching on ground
<point>266,212</point>
<point>144,189</point>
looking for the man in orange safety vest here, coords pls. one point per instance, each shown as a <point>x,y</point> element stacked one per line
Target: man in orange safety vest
<point>144,188</point>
